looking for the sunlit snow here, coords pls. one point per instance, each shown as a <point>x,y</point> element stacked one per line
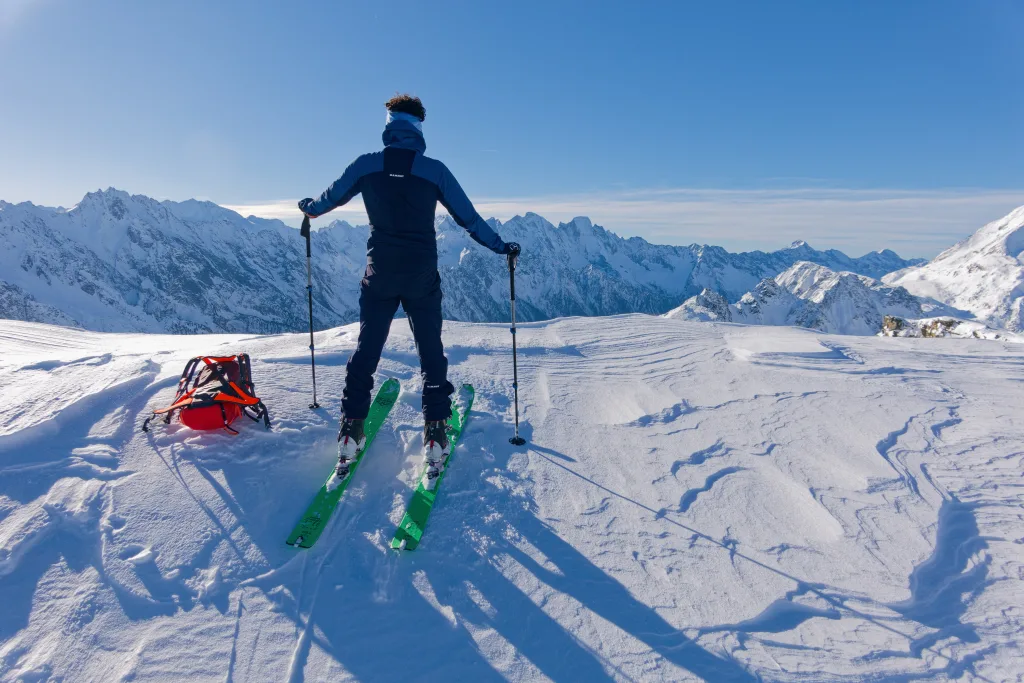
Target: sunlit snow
<point>695,500</point>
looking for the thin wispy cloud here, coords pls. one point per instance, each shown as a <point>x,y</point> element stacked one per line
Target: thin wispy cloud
<point>912,222</point>
<point>287,210</point>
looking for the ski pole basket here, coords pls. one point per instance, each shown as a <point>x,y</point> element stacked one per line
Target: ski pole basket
<point>213,392</point>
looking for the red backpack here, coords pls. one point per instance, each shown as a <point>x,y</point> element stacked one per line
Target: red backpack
<point>215,396</point>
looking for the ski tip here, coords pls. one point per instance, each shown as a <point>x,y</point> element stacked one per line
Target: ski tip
<point>401,546</point>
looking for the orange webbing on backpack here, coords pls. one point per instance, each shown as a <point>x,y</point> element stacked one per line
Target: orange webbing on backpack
<point>213,387</point>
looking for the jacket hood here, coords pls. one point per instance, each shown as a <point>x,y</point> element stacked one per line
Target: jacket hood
<point>404,134</point>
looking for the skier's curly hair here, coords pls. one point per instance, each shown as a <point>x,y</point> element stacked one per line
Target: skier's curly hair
<point>407,104</point>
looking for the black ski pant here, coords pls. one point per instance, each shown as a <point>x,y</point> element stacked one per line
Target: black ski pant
<point>379,297</point>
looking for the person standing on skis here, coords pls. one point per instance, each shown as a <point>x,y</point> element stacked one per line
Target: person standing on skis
<point>401,188</point>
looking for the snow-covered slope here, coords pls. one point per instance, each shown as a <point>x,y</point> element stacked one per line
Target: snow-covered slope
<point>16,304</point>
<point>983,274</point>
<point>708,306</point>
<point>809,295</point>
<point>118,262</point>
<point>696,500</point>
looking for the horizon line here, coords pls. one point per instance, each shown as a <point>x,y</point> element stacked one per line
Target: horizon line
<point>926,221</point>
<point>862,220</point>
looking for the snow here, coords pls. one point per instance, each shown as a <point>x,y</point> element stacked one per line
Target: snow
<point>813,296</point>
<point>945,327</point>
<point>983,274</point>
<point>696,500</point>
<point>128,263</point>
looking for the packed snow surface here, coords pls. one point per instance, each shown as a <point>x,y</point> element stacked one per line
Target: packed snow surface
<point>696,500</point>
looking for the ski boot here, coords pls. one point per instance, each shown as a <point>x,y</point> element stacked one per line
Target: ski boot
<point>436,450</point>
<point>351,440</point>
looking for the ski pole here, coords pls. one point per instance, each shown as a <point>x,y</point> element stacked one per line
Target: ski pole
<point>515,440</point>
<point>309,291</point>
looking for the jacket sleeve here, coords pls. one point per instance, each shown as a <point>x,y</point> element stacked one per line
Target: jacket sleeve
<point>461,209</point>
<point>341,191</point>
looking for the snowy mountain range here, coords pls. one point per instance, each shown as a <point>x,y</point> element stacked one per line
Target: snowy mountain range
<point>977,286</point>
<point>120,262</point>
<point>813,296</point>
<point>983,274</point>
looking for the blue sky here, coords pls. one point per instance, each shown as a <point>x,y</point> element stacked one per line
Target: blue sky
<point>855,125</point>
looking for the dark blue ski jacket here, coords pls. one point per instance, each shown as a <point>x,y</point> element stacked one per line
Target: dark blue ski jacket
<point>401,188</point>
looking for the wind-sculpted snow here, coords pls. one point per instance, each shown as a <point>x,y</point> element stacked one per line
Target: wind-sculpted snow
<point>119,262</point>
<point>809,295</point>
<point>983,274</point>
<point>695,501</point>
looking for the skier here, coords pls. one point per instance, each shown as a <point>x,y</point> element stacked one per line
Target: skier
<point>401,188</point>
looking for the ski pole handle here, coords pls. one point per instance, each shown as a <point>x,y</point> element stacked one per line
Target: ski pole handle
<point>511,275</point>
<point>304,231</point>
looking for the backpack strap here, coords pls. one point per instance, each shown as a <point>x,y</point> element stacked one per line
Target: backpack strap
<point>224,416</point>
<point>242,397</point>
<point>182,397</point>
<point>258,412</point>
<point>245,371</point>
<point>187,373</point>
<point>180,403</point>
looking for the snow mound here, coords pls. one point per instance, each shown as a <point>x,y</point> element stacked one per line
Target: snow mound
<point>695,502</point>
<point>983,274</point>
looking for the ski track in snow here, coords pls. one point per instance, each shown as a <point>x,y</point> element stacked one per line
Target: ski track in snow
<point>696,501</point>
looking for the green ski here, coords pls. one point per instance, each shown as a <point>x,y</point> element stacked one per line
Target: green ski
<point>312,524</point>
<point>410,531</point>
